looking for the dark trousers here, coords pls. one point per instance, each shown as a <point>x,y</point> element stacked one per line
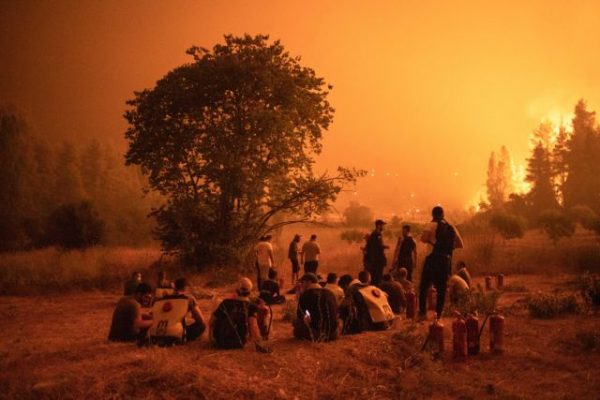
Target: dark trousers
<point>311,267</point>
<point>435,271</point>
<point>194,331</point>
<point>376,272</point>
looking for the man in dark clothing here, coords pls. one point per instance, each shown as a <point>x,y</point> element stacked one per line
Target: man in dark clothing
<point>293,251</point>
<point>128,322</point>
<point>405,255</point>
<point>236,320</point>
<point>395,293</point>
<point>316,315</point>
<point>270,290</point>
<point>375,253</point>
<point>132,283</point>
<point>442,238</point>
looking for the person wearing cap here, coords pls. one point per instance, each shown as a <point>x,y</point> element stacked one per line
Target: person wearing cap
<point>235,320</point>
<point>293,251</point>
<point>316,315</point>
<point>442,239</point>
<point>264,259</point>
<point>375,253</point>
<point>310,255</point>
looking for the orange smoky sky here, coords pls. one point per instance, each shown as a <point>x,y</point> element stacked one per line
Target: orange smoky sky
<point>423,90</point>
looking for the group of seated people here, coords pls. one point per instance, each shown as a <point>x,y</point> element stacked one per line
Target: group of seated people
<point>169,313</point>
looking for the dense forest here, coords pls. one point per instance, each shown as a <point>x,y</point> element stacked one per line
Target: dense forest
<point>563,177</point>
<point>67,194</point>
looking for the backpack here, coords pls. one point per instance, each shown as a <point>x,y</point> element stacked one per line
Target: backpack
<point>168,325</point>
<point>444,238</point>
<point>377,304</point>
<point>230,328</point>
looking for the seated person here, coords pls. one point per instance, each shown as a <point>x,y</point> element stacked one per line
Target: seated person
<point>128,322</point>
<point>368,308</point>
<point>170,313</point>
<point>344,282</point>
<point>270,289</point>
<point>403,280</point>
<point>132,283</point>
<point>235,320</point>
<point>163,286</point>
<point>395,293</point>
<point>463,272</point>
<point>457,289</point>
<point>316,315</point>
<point>332,286</point>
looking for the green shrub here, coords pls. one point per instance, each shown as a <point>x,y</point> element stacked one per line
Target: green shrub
<point>556,224</point>
<point>476,301</point>
<point>550,305</point>
<point>509,226</point>
<point>589,285</point>
<point>352,236</point>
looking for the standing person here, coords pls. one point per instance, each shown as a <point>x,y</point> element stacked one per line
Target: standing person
<point>405,255</point>
<point>310,255</point>
<point>441,238</point>
<point>375,253</point>
<point>293,251</point>
<point>264,259</point>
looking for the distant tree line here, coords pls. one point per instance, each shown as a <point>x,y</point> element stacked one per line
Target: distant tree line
<point>563,171</point>
<point>66,194</point>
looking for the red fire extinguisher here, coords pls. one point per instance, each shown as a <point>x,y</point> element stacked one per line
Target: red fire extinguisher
<point>411,304</point>
<point>459,337</point>
<point>436,337</point>
<point>432,299</point>
<point>472,325</point>
<point>488,282</point>
<point>496,333</point>
<point>499,281</point>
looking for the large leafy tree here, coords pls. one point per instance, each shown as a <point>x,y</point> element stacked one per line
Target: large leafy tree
<point>230,139</point>
<point>540,173</point>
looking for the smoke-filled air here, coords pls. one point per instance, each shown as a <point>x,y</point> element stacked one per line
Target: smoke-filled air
<point>299,200</point>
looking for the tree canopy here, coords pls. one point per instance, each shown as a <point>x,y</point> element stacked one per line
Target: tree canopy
<point>230,140</point>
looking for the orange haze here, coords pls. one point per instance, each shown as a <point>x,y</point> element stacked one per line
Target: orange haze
<point>424,90</point>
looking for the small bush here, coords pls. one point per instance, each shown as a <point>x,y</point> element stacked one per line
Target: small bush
<point>589,285</point>
<point>556,224</point>
<point>515,288</point>
<point>550,305</point>
<point>476,301</point>
<point>508,226</point>
<point>352,236</point>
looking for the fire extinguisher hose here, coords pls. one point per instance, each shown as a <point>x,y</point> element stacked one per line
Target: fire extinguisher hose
<point>483,326</point>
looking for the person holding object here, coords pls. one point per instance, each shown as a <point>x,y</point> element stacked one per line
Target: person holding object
<point>441,239</point>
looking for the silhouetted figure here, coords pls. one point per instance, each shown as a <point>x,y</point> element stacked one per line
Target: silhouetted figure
<point>316,315</point>
<point>395,293</point>
<point>132,283</point>
<point>442,238</point>
<point>270,290</point>
<point>264,259</point>
<point>293,251</point>
<point>310,255</point>
<point>128,322</point>
<point>405,255</point>
<point>375,253</point>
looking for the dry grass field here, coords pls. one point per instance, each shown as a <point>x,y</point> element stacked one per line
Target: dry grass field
<point>55,347</point>
<point>55,311</point>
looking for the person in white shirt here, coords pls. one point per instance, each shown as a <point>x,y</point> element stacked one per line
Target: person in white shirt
<point>264,259</point>
<point>310,255</point>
